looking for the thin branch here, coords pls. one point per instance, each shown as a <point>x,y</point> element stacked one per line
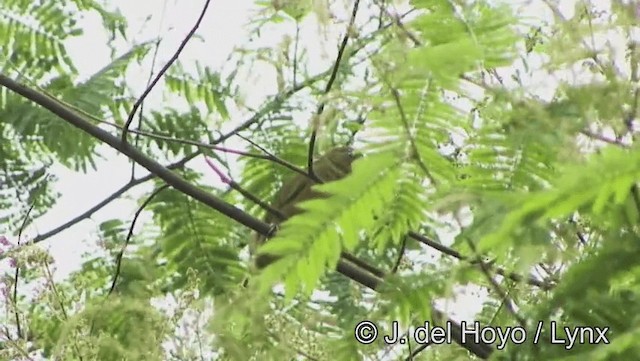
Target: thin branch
<point>509,303</point>
<point>382,6</point>
<point>15,345</point>
<point>455,254</point>
<point>602,138</point>
<point>16,276</point>
<point>120,254</point>
<point>405,123</point>
<point>162,71</point>
<point>579,233</point>
<point>268,157</point>
<point>422,347</point>
<point>295,53</point>
<point>397,21</point>
<point>154,58</point>
<point>61,304</point>
<point>327,89</point>
<point>276,101</point>
<point>403,248</point>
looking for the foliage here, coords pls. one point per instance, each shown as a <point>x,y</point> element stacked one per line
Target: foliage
<point>472,176</point>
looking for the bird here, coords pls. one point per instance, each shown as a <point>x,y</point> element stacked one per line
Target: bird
<point>334,165</point>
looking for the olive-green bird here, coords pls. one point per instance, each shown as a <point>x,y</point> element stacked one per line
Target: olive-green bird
<point>332,166</point>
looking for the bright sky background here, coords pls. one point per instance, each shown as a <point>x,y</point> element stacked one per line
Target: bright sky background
<point>221,30</point>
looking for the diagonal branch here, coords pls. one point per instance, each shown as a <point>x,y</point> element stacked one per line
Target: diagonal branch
<point>327,89</point>
<point>120,255</point>
<point>266,108</point>
<point>176,181</point>
<point>163,71</point>
<point>501,271</point>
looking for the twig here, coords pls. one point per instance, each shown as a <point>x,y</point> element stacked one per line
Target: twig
<point>154,58</point>
<point>602,138</point>
<point>276,101</point>
<point>120,254</point>
<point>509,303</point>
<point>17,272</point>
<point>414,147</point>
<point>61,304</point>
<point>271,156</point>
<point>401,251</point>
<point>268,157</point>
<point>327,89</point>
<point>422,347</point>
<point>15,345</point>
<point>295,53</point>
<point>162,71</point>
<point>397,21</point>
<point>455,254</point>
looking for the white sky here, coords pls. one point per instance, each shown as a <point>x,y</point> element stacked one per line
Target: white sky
<point>221,30</point>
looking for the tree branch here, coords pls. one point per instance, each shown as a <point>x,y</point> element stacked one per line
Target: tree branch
<point>277,100</point>
<point>327,89</point>
<point>162,71</point>
<point>501,271</point>
<point>79,121</point>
